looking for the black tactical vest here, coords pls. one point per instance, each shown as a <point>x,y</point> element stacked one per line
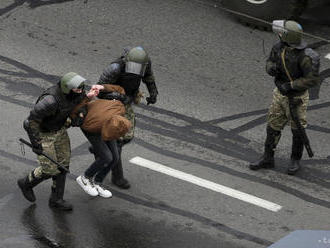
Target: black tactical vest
<point>65,106</point>
<point>130,82</point>
<point>292,60</point>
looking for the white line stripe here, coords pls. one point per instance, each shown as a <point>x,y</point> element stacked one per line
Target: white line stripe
<point>206,184</point>
<point>327,56</point>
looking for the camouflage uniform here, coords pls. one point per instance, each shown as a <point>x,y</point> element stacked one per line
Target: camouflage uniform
<point>57,146</point>
<point>130,115</point>
<point>47,129</point>
<point>279,111</point>
<point>302,64</point>
<point>116,73</point>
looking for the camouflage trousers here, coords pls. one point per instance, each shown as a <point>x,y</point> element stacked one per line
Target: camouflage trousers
<point>130,115</point>
<point>279,111</point>
<point>57,146</point>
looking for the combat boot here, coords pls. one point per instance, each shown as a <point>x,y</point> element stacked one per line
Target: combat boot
<point>267,159</point>
<point>117,171</point>
<point>56,198</point>
<point>297,152</point>
<point>118,176</point>
<point>27,186</point>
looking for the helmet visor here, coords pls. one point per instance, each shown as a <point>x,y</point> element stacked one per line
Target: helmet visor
<point>279,27</point>
<point>135,68</point>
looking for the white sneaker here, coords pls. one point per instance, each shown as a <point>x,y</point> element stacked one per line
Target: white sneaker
<point>102,191</point>
<point>87,185</point>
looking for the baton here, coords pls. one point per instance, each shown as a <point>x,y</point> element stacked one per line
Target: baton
<point>45,155</point>
<point>301,129</point>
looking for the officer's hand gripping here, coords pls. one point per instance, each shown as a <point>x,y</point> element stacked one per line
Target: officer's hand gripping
<point>151,100</point>
<point>285,88</point>
<point>37,148</point>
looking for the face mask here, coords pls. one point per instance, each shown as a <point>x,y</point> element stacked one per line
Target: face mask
<point>75,97</point>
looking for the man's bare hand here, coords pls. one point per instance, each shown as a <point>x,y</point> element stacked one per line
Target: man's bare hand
<point>95,90</point>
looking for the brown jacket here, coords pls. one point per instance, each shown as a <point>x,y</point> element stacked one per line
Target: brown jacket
<point>104,116</point>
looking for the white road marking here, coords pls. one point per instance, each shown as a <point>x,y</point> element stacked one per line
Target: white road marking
<point>206,184</point>
<point>327,56</point>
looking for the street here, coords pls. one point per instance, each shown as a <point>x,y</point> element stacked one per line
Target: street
<point>188,163</point>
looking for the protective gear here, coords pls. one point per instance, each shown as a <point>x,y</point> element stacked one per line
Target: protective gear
<point>151,100</point>
<point>115,96</point>
<point>267,160</point>
<point>303,66</point>
<point>272,70</point>
<point>79,119</point>
<point>52,114</point>
<point>115,74</point>
<point>56,198</point>
<point>297,152</point>
<point>71,81</point>
<point>37,148</point>
<point>153,93</point>
<point>117,171</point>
<point>34,137</point>
<point>136,61</point>
<point>289,32</point>
<point>285,88</point>
<point>27,186</point>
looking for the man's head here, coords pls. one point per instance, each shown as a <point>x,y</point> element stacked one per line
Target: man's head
<point>72,82</point>
<point>289,32</point>
<point>136,61</point>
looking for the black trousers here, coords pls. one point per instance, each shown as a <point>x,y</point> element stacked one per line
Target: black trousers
<point>106,156</point>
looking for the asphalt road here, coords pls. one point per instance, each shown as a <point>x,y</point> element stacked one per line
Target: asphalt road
<point>209,122</point>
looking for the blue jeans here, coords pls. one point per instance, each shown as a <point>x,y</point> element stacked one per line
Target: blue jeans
<point>106,156</point>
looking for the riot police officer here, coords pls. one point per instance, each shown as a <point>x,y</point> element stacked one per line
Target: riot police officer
<point>128,71</point>
<point>295,68</point>
<point>46,127</point>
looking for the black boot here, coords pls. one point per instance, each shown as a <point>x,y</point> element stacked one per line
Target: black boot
<point>56,198</point>
<point>117,171</point>
<point>267,160</point>
<point>118,177</point>
<point>27,187</point>
<point>297,152</point>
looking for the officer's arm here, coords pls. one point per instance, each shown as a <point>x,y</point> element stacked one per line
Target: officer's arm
<point>110,74</point>
<point>47,106</point>
<point>271,68</point>
<point>310,66</point>
<point>149,80</point>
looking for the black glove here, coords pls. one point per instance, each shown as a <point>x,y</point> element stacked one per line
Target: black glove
<point>79,120</point>
<point>151,99</point>
<point>153,92</point>
<point>37,148</point>
<point>125,99</point>
<point>285,88</point>
<point>34,137</point>
<point>272,71</point>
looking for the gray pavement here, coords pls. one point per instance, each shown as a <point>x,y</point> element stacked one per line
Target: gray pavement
<point>209,121</point>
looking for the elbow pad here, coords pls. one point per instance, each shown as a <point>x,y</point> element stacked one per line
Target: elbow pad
<point>32,133</point>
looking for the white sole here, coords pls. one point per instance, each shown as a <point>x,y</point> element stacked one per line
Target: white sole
<point>82,185</point>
